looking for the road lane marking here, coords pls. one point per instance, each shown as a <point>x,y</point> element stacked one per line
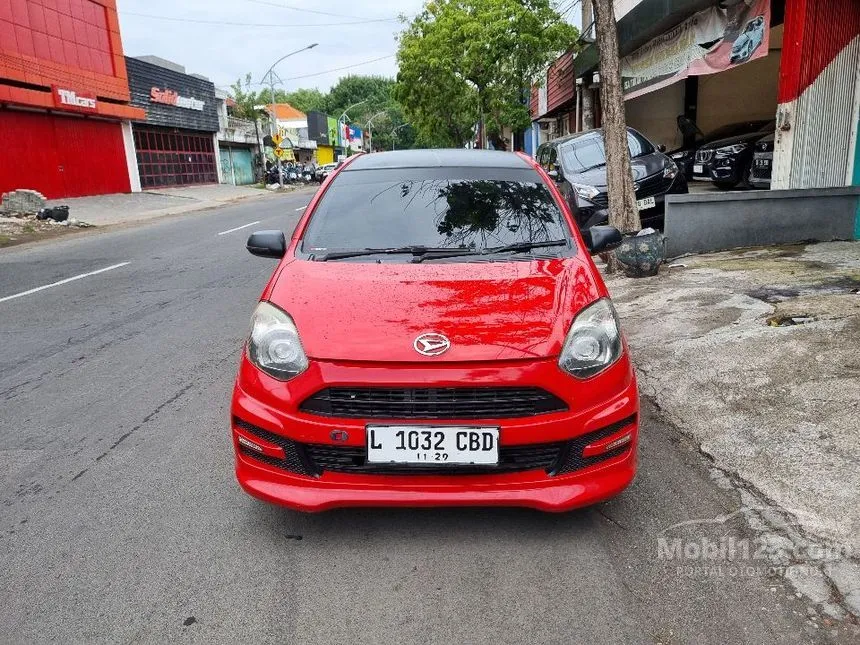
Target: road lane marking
<point>238,228</point>
<point>65,281</point>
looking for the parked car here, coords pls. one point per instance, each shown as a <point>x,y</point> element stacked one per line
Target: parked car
<point>685,157</point>
<point>435,333</point>
<point>748,41</point>
<point>727,162</point>
<point>762,164</point>
<point>324,171</point>
<point>577,162</point>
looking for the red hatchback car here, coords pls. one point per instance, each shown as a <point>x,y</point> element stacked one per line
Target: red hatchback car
<point>435,333</point>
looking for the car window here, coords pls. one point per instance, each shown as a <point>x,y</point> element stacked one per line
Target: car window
<point>588,151</point>
<point>735,129</point>
<point>470,208</point>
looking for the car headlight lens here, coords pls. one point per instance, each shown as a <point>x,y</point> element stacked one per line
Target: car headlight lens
<point>274,344</point>
<point>725,151</point>
<point>670,171</point>
<point>593,342</point>
<point>585,191</point>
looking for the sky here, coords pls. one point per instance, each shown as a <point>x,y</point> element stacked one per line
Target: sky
<point>252,34</point>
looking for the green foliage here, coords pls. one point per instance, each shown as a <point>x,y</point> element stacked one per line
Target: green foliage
<point>464,59</point>
<point>374,94</point>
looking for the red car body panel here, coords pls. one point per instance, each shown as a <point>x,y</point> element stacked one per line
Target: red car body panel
<point>506,321</point>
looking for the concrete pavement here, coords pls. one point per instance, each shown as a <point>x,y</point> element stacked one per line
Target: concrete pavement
<point>122,520</point>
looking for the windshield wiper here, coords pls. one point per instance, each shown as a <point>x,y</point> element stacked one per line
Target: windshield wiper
<point>416,250</point>
<point>516,247</point>
<point>597,165</point>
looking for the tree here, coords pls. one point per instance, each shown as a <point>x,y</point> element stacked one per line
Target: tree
<point>306,100</point>
<point>468,61</point>
<point>623,213</point>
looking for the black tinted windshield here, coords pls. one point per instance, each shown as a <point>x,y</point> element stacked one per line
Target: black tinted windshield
<point>588,151</point>
<point>457,208</point>
<point>737,129</point>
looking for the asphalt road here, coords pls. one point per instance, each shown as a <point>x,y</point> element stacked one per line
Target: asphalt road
<point>122,522</point>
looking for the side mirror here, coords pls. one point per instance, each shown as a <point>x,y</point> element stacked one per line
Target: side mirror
<point>555,173</point>
<point>267,244</point>
<point>661,148</point>
<point>601,238</point>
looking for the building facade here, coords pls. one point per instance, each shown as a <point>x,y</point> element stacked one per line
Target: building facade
<point>65,114</point>
<point>176,144</point>
<point>716,63</point>
<point>238,144</point>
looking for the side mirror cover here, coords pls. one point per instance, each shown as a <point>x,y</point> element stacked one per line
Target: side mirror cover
<point>267,244</point>
<point>601,238</point>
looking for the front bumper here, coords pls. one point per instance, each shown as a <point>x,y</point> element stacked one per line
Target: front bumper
<point>271,405</point>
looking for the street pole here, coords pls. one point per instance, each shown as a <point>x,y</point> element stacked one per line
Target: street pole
<point>342,117</point>
<point>393,132</point>
<point>370,131</point>
<point>274,113</point>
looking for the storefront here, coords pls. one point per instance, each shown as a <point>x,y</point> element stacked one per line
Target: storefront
<point>318,130</point>
<point>65,126</point>
<point>177,144</point>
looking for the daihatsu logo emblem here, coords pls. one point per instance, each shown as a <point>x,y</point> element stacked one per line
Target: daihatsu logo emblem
<point>431,344</point>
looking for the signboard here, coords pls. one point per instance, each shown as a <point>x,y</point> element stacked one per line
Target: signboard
<point>277,139</point>
<point>707,42</point>
<point>169,97</point>
<point>74,100</point>
<point>284,154</point>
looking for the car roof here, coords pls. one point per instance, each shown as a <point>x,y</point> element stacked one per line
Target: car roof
<point>438,158</point>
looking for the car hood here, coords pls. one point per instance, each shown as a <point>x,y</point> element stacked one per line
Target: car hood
<point>742,138</point>
<point>642,167</point>
<point>368,311</point>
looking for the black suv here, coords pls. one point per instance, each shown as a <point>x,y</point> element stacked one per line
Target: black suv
<point>577,162</point>
<point>728,161</point>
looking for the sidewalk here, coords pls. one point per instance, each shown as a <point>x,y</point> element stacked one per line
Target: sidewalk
<point>121,208</point>
<point>755,354</point>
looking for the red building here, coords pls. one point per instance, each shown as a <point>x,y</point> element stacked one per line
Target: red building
<point>65,118</point>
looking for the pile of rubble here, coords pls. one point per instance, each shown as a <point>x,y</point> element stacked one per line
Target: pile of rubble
<point>24,214</point>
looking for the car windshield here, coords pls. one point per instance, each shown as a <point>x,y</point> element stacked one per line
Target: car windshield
<point>472,209</point>
<point>587,152</point>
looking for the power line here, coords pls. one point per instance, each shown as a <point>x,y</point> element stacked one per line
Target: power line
<point>316,11</point>
<point>337,69</point>
<point>251,24</point>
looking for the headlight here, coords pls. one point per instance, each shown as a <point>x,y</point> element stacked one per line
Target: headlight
<point>670,171</point>
<point>678,155</point>
<point>585,191</point>
<point>725,151</point>
<point>274,344</point>
<point>593,342</point>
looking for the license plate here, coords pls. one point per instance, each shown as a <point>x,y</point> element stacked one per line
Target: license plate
<point>647,202</point>
<point>762,163</point>
<point>698,169</point>
<point>435,445</point>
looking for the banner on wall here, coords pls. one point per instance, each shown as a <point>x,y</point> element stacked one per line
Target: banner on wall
<point>707,42</point>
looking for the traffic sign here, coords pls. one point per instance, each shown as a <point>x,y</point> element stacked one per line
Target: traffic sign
<point>283,153</point>
<point>276,140</point>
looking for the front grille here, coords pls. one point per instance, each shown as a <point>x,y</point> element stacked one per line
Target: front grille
<point>559,458</point>
<point>651,186</point>
<point>432,403</point>
<point>512,459</point>
<point>704,156</point>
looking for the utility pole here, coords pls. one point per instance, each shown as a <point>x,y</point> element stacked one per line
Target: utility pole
<point>369,131</point>
<point>273,122</point>
<point>394,132</point>
<point>623,212</point>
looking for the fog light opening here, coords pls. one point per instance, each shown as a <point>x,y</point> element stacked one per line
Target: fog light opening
<point>250,444</point>
<point>603,446</point>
